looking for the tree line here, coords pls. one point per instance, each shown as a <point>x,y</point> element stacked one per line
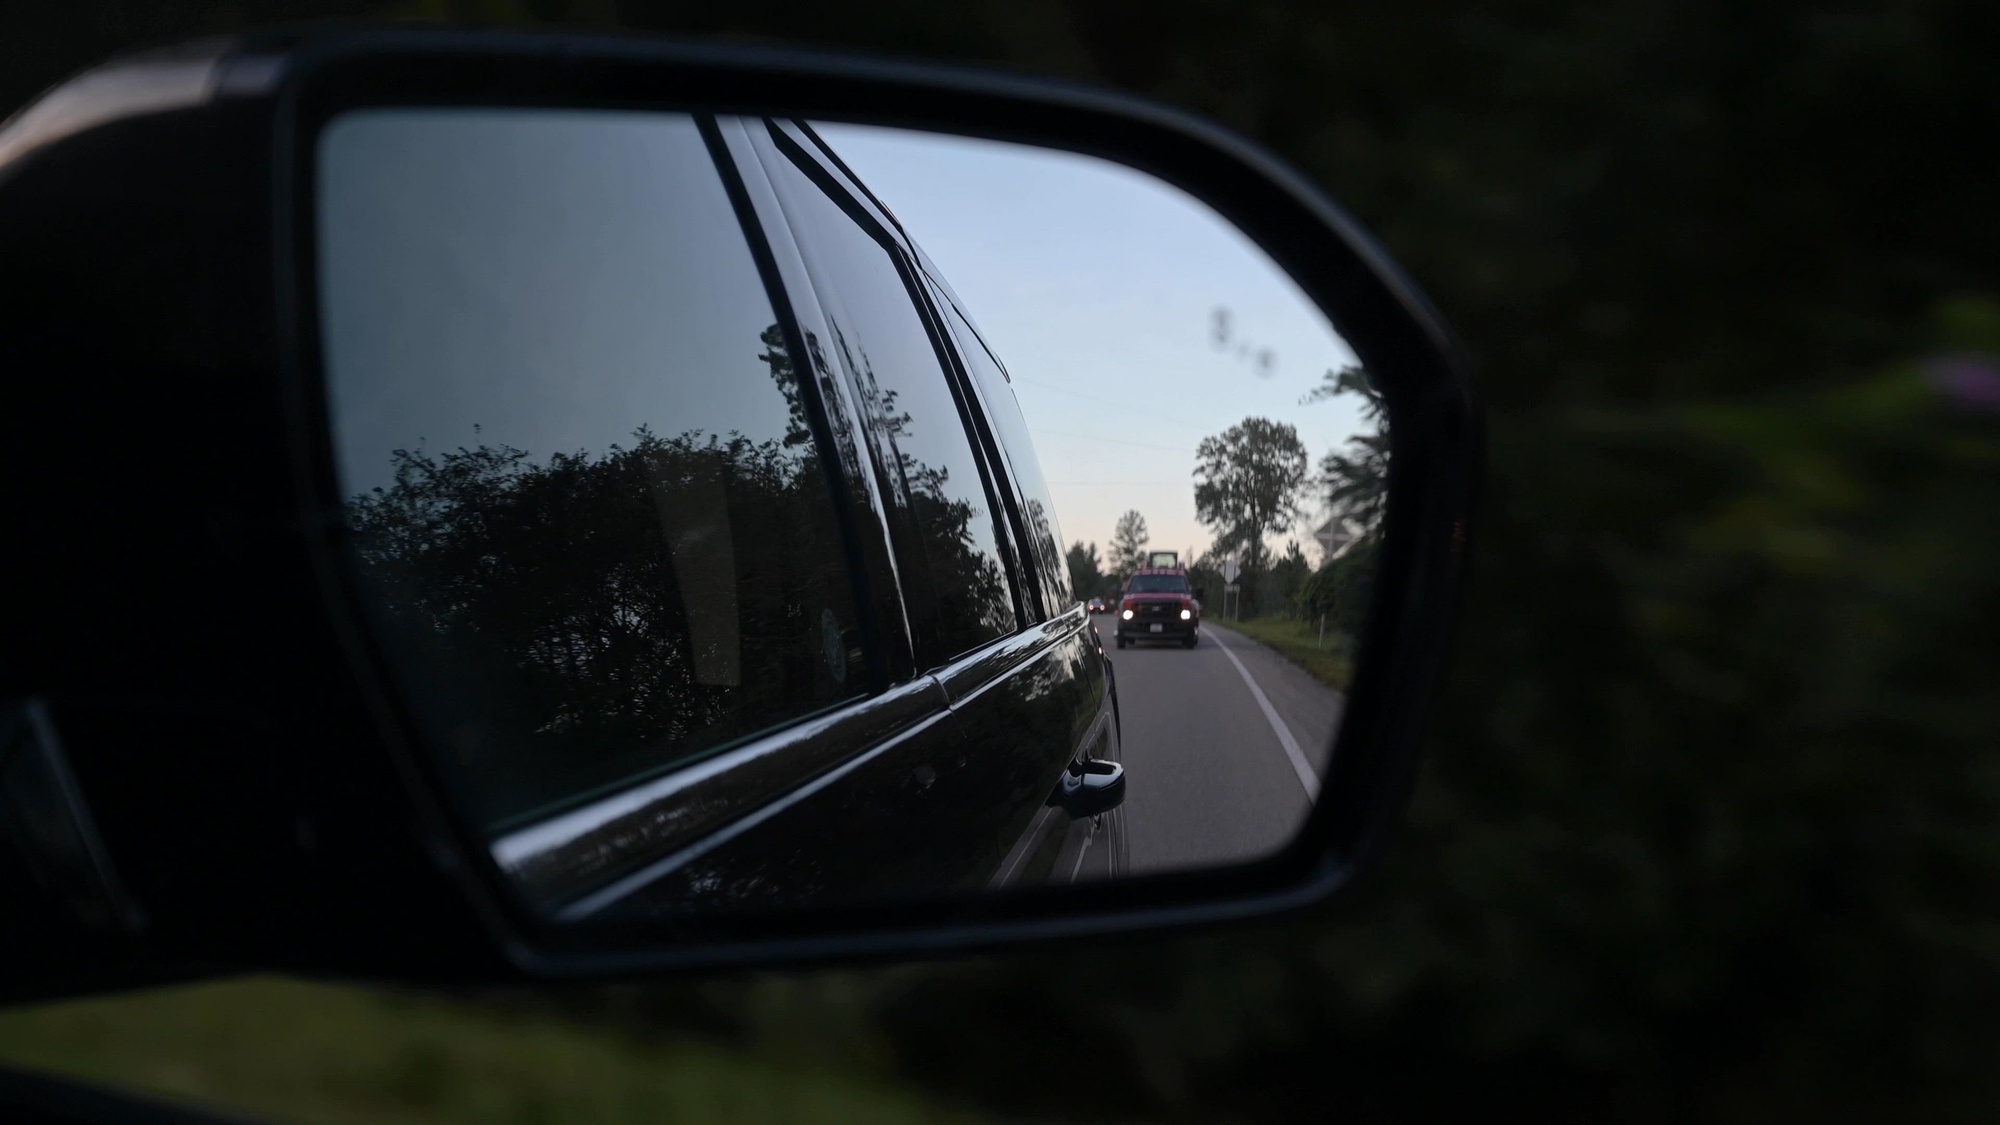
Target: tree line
<point>1252,481</point>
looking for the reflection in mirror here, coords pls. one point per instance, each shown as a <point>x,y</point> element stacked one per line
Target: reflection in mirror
<point>755,515</point>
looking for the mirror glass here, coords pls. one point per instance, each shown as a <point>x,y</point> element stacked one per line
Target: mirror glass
<point>757,514</point>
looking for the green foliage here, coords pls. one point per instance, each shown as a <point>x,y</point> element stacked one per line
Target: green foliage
<point>293,1052</point>
<point>1280,587</point>
<point>1086,570</point>
<point>1357,480</point>
<point>1204,576</point>
<point>1341,588</point>
<point>1763,774</point>
<point>1299,640</point>
<point>1128,545</point>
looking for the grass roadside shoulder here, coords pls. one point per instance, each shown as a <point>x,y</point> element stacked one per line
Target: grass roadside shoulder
<point>289,1051</point>
<point>1298,642</point>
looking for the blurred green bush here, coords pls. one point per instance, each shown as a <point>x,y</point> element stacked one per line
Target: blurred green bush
<point>295,1052</point>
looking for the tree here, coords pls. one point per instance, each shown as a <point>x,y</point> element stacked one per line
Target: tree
<point>1356,481</point>
<point>1248,481</point>
<point>1341,587</point>
<point>1086,569</point>
<point>1128,544</point>
<point>1289,573</point>
<point>1350,380</point>
<point>551,606</point>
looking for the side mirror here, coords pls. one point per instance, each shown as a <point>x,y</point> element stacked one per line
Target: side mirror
<point>1092,787</point>
<point>1200,593</point>
<point>527,506</point>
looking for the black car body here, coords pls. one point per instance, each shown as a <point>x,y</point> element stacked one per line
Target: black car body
<point>919,707</point>
<point>1097,606</point>
<point>1159,605</point>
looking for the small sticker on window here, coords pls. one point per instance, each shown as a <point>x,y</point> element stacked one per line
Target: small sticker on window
<point>836,649</point>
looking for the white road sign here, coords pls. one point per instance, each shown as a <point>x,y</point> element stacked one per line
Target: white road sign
<point>1333,535</point>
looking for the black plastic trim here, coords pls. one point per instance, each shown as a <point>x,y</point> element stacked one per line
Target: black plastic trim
<point>1395,332</point>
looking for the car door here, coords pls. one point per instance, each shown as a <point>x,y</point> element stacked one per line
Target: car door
<point>944,805</point>
<point>646,599</point>
<point>766,632</point>
<point>1040,700</point>
<point>1072,679</point>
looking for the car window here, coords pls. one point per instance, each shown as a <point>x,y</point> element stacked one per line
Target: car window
<point>1157,584</point>
<point>1038,513</point>
<point>954,573</point>
<point>586,505</point>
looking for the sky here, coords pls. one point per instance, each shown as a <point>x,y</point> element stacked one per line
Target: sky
<point>516,272</point>
<point>1098,286</point>
<point>511,277</point>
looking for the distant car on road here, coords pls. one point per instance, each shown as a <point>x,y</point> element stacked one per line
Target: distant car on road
<point>1097,606</point>
<point>1159,605</point>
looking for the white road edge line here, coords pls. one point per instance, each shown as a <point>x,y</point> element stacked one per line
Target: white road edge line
<point>1303,768</point>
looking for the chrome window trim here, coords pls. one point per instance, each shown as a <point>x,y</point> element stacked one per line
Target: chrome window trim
<point>612,893</point>
<point>968,676</point>
<point>575,852</point>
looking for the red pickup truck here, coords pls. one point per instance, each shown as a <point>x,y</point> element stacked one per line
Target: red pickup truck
<point>1158,605</point>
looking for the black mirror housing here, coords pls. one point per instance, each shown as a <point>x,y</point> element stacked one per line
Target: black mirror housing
<point>198,659</point>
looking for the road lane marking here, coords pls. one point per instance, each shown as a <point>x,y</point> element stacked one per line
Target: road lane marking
<point>1303,768</point>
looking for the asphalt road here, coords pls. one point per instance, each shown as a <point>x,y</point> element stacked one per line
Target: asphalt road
<point>1210,779</point>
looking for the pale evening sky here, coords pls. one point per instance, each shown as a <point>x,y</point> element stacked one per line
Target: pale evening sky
<point>1097,286</point>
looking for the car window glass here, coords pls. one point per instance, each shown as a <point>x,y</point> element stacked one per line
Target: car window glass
<point>952,566</point>
<point>1038,513</point>
<point>586,505</point>
<point>1157,584</point>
